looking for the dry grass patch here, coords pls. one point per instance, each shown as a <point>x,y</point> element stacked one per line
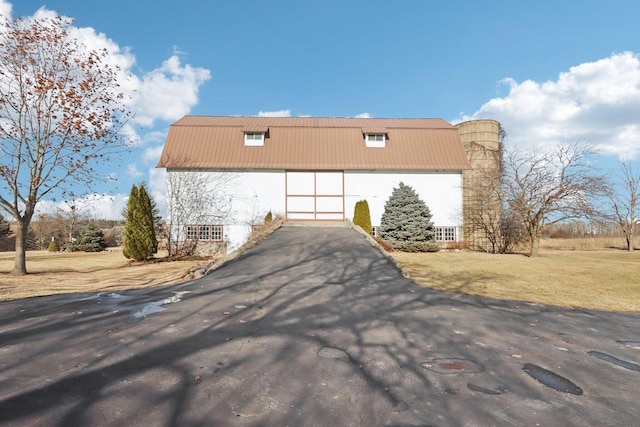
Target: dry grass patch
<point>606,280</point>
<point>54,273</point>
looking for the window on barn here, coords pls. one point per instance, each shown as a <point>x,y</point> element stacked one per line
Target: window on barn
<point>449,234</point>
<point>212,233</point>
<point>445,234</point>
<point>254,139</point>
<point>192,232</point>
<point>375,140</point>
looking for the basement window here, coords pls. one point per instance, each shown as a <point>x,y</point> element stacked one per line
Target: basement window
<point>212,233</point>
<point>375,140</point>
<point>254,139</point>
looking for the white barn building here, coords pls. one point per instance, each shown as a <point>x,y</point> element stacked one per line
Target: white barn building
<point>308,169</point>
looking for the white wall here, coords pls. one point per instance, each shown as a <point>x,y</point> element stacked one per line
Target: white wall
<point>442,193</point>
<point>254,193</point>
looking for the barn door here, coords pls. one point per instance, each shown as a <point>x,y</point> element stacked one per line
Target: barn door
<point>315,195</point>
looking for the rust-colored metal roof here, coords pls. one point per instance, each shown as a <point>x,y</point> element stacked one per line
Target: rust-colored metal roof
<point>313,143</point>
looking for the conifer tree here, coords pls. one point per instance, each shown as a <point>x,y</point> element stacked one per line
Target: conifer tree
<point>139,235</point>
<point>129,249</point>
<point>4,227</point>
<point>148,224</point>
<point>406,222</point>
<point>362,215</point>
<point>91,240</point>
<point>53,246</point>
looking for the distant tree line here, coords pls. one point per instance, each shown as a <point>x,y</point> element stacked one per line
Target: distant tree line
<point>66,228</point>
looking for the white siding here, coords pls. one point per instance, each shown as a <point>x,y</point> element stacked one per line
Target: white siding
<point>254,193</point>
<point>442,192</point>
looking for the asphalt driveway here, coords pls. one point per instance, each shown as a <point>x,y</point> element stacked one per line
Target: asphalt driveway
<point>312,327</point>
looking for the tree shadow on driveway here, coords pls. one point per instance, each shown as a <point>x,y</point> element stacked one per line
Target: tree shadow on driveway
<point>313,326</point>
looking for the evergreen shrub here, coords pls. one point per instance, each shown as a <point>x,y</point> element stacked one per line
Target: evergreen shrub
<point>406,222</point>
<point>91,240</point>
<point>362,216</point>
<point>140,241</point>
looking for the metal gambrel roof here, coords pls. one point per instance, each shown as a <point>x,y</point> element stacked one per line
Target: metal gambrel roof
<point>313,143</point>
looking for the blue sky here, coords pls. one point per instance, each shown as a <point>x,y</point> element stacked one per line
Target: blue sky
<point>549,71</point>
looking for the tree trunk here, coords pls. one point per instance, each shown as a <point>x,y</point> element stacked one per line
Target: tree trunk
<point>535,246</point>
<point>20,264</point>
<point>629,237</point>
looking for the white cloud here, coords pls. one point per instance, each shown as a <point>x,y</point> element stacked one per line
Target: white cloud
<point>152,154</point>
<point>362,116</point>
<point>155,136</point>
<point>594,102</point>
<point>95,206</point>
<point>158,188</point>
<point>133,171</point>
<point>279,113</point>
<point>5,9</point>
<point>168,92</point>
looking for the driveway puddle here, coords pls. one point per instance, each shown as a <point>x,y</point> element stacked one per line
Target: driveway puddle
<point>156,306</point>
<point>611,359</point>
<point>551,379</point>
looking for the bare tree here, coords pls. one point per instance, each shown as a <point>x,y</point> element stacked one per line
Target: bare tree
<point>625,201</point>
<point>492,225</point>
<point>551,187</point>
<point>194,198</point>
<point>60,112</point>
<point>494,219</point>
<point>72,219</point>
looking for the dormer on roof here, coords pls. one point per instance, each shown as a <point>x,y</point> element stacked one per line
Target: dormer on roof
<point>255,136</point>
<point>375,137</point>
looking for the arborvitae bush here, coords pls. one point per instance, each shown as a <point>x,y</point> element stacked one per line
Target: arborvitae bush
<point>130,249</point>
<point>362,216</point>
<point>406,222</point>
<point>268,219</point>
<point>53,246</point>
<point>148,220</point>
<point>139,235</point>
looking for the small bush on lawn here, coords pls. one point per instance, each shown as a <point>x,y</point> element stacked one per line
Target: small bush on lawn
<point>53,246</point>
<point>91,240</point>
<point>268,218</point>
<point>362,216</point>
